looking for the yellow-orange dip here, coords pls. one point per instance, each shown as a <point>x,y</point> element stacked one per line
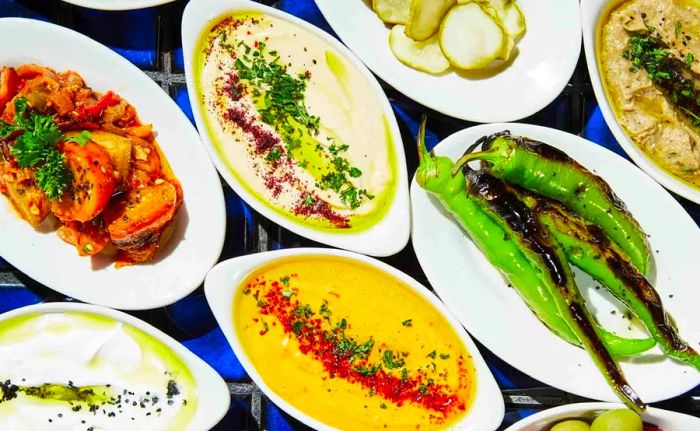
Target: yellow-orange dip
<point>352,346</point>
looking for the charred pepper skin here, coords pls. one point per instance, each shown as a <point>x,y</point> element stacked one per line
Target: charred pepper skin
<point>434,175</point>
<point>545,170</point>
<point>589,249</point>
<point>544,253</point>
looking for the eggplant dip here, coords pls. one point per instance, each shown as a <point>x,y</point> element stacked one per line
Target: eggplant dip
<point>648,53</point>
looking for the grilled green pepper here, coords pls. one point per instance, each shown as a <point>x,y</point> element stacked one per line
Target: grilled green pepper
<point>545,170</point>
<point>588,248</point>
<point>434,175</point>
<point>495,198</point>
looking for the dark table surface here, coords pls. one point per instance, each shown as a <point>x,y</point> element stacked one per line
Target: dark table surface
<point>150,38</point>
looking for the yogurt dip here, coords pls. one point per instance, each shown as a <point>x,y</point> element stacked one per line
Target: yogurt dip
<point>80,371</point>
<point>297,124</point>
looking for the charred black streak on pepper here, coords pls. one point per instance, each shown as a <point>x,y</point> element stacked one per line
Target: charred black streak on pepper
<point>519,218</point>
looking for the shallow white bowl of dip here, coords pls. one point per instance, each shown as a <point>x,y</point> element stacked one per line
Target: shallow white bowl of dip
<point>76,342</point>
<point>592,11</point>
<point>386,233</point>
<point>486,410</point>
<point>200,223</point>
<point>664,419</point>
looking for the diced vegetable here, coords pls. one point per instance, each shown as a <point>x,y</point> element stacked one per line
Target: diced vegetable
<point>29,200</point>
<point>92,185</point>
<point>425,17</point>
<point>137,219</point>
<point>119,150</point>
<point>470,37</point>
<point>8,86</point>
<point>392,11</point>
<point>426,56</point>
<point>88,238</point>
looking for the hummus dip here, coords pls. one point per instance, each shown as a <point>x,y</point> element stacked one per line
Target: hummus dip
<point>352,346</point>
<point>77,371</point>
<point>643,102</point>
<point>298,125</point>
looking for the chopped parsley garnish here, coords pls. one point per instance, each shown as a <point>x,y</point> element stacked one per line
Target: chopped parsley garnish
<point>669,73</point>
<point>368,370</point>
<point>678,28</point>
<point>274,154</point>
<point>285,280</point>
<point>35,147</point>
<point>392,360</point>
<point>444,355</point>
<point>432,354</point>
<point>407,323</point>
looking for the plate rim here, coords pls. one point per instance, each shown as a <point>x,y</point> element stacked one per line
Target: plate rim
<point>118,5</point>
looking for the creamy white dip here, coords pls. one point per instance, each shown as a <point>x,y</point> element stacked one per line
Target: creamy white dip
<point>140,384</point>
<point>350,113</point>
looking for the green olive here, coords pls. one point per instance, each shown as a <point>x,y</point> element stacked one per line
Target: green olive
<point>617,420</point>
<point>571,425</point>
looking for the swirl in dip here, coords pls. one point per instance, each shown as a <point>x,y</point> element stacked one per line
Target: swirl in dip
<point>79,371</point>
<point>299,126</point>
<point>352,346</point>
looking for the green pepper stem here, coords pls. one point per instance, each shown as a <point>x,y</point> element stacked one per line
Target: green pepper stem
<point>482,155</point>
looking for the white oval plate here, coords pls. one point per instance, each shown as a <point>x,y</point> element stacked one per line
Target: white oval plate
<point>591,11</point>
<point>386,237</point>
<point>212,391</point>
<point>496,316</point>
<point>547,57</point>
<point>486,412</point>
<point>118,4</point>
<point>664,419</point>
<point>201,225</point>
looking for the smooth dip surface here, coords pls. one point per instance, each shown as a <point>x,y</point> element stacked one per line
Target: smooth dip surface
<point>352,346</point>
<point>295,121</point>
<point>79,371</point>
<point>656,97</point>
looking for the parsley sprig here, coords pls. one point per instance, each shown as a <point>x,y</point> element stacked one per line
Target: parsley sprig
<point>35,147</point>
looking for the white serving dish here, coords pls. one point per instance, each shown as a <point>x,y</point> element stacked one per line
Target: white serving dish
<point>213,395</point>
<point>547,57</point>
<point>118,4</point>
<point>390,234</point>
<point>495,314</point>
<point>487,409</point>
<point>664,419</point>
<point>591,13</point>
<point>201,224</point>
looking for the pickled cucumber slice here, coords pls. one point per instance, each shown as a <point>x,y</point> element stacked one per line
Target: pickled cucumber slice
<point>512,18</point>
<point>425,17</point>
<point>426,56</point>
<point>470,37</point>
<point>392,11</point>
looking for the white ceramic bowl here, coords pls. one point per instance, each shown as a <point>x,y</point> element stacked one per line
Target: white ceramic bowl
<point>118,4</point>
<point>547,57</point>
<point>487,410</point>
<point>591,13</point>
<point>664,419</point>
<point>200,226</point>
<point>494,314</point>
<point>390,234</point>
<point>212,391</point>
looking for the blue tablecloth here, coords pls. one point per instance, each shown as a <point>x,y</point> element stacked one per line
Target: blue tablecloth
<point>134,35</point>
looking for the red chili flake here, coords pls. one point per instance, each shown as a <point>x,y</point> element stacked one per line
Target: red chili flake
<point>322,344</point>
<point>319,207</point>
<point>233,87</point>
<point>264,139</point>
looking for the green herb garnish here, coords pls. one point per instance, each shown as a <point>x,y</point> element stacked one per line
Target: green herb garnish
<point>392,360</point>
<point>35,147</point>
<point>81,138</point>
